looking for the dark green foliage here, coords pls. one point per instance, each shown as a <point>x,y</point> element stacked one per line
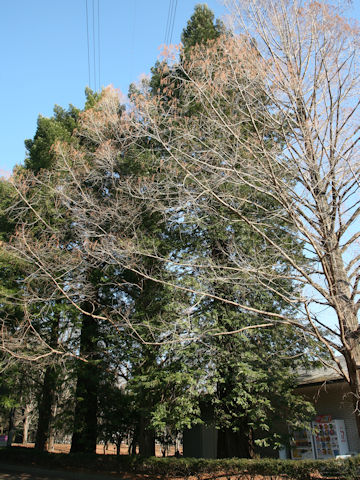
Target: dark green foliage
<point>201,28</point>
<point>7,197</point>
<point>59,127</point>
<point>255,381</point>
<point>49,130</point>
<point>118,416</point>
<point>91,98</point>
<point>87,387</point>
<point>16,386</point>
<point>11,269</point>
<point>251,374</point>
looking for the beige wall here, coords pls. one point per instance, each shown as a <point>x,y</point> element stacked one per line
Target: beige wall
<point>335,399</point>
<point>329,399</point>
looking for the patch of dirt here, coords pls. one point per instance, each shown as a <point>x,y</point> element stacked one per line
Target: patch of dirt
<point>109,450</point>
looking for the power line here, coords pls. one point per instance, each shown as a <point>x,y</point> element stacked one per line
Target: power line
<point>168,22</point>
<point>93,44</point>
<point>88,43</point>
<point>173,22</point>
<point>94,51</point>
<point>98,14</point>
<point>132,47</point>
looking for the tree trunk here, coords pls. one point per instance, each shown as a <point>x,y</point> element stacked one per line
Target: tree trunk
<point>51,443</point>
<point>118,448</point>
<point>133,448</point>
<point>146,438</point>
<point>353,366</point>
<point>51,438</point>
<point>12,427</point>
<point>85,419</point>
<point>26,424</point>
<point>47,395</point>
<point>45,408</point>
<point>346,310</point>
<point>230,443</point>
<point>240,443</point>
<point>133,444</point>
<point>235,444</point>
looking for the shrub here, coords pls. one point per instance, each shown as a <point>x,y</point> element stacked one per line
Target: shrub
<point>347,469</point>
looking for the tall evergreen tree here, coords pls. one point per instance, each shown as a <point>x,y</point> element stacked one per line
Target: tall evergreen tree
<point>41,158</point>
<point>16,385</point>
<point>244,405</point>
<point>201,28</point>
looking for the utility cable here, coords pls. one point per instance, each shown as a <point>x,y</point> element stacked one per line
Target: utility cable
<point>168,22</point>
<point>94,51</point>
<point>98,21</point>
<point>173,22</point>
<point>88,43</point>
<point>132,47</point>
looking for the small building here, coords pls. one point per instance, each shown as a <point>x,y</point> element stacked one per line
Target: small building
<point>331,396</point>
<point>324,387</point>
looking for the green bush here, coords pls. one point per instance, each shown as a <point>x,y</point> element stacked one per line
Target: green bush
<point>348,469</point>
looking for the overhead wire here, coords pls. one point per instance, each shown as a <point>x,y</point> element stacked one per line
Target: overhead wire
<point>98,22</point>
<point>168,22</point>
<point>93,44</point>
<point>133,31</point>
<point>173,22</point>
<point>94,50</point>
<point>88,42</point>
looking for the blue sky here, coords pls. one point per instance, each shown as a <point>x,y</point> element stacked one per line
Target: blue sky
<point>45,58</point>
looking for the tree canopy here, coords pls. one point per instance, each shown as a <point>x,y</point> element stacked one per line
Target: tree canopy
<point>172,242</point>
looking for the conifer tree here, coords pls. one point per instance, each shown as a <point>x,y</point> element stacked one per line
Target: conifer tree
<point>40,157</point>
<point>201,28</point>
<point>244,407</point>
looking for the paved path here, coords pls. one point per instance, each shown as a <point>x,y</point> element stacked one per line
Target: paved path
<point>24,472</point>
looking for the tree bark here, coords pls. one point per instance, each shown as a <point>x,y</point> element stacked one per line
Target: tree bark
<point>235,444</point>
<point>47,395</point>
<point>346,310</point>
<point>118,448</point>
<point>26,424</point>
<point>353,365</point>
<point>146,438</point>
<point>12,427</point>
<point>85,419</point>
<point>45,408</point>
